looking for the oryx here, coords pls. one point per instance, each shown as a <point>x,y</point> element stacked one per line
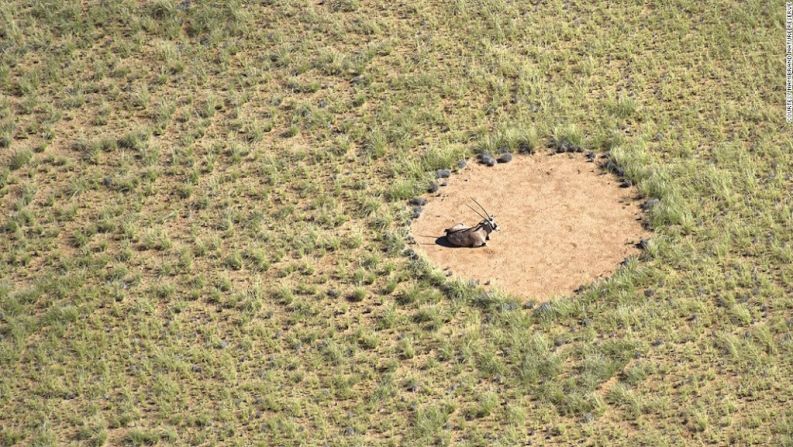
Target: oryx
<point>476,236</point>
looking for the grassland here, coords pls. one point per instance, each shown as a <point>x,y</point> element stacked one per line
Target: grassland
<point>204,220</point>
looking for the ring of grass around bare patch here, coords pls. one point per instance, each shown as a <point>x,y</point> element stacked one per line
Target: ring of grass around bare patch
<point>563,222</point>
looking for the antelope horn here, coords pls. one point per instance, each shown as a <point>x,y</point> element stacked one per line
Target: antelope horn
<point>477,212</point>
<point>483,208</point>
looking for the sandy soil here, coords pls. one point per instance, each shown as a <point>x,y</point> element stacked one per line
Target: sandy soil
<point>563,222</point>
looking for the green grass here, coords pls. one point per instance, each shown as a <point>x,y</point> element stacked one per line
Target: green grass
<point>204,223</point>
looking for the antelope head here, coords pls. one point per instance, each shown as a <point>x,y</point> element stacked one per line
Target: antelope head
<point>488,222</point>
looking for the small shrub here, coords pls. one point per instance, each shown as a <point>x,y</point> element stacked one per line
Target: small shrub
<point>367,339</point>
<point>344,5</point>
<point>567,139</point>
<point>429,420</point>
<point>357,295</point>
<point>402,190</point>
<point>485,406</point>
<point>136,437</point>
<point>161,9</point>
<point>623,107</point>
<point>4,173</point>
<point>511,139</point>
<point>234,261</point>
<point>258,259</point>
<point>290,132</point>
<point>20,158</point>
<point>136,140</point>
<point>376,145</point>
<point>406,348</point>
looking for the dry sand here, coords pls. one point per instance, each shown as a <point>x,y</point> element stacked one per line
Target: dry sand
<point>563,222</point>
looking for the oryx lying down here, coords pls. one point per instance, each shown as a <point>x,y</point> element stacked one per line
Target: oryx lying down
<point>476,236</point>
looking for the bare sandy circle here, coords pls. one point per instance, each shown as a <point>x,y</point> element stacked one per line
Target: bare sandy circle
<point>563,222</point>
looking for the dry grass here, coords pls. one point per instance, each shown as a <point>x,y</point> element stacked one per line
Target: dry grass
<point>203,224</point>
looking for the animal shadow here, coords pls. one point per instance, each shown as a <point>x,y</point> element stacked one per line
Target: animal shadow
<point>443,242</point>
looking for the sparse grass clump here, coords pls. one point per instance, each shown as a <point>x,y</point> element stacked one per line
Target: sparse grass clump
<point>137,437</point>
<point>357,295</point>
<point>623,107</point>
<point>19,159</point>
<point>567,139</point>
<point>135,140</point>
<point>512,139</point>
<point>403,190</point>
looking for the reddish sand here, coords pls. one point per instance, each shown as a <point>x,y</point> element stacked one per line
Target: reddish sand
<point>563,222</point>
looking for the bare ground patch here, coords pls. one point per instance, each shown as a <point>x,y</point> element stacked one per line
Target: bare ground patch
<point>563,222</point>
